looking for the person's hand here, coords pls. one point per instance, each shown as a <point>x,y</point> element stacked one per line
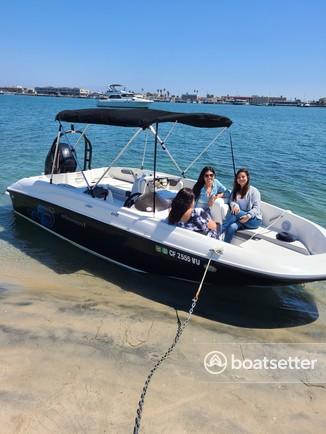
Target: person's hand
<point>244,218</point>
<point>213,198</point>
<point>211,225</point>
<point>235,209</point>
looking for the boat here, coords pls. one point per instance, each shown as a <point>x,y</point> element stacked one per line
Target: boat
<point>117,97</point>
<point>120,213</point>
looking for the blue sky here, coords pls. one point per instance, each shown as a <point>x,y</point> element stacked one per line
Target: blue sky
<point>236,47</point>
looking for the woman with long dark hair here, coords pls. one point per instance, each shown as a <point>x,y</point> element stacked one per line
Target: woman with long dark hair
<point>184,214</point>
<point>245,206</point>
<point>210,193</point>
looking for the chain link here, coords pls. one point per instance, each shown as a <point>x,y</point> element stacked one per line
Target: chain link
<point>181,327</point>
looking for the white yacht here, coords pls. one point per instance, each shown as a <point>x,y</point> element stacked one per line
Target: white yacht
<point>117,97</point>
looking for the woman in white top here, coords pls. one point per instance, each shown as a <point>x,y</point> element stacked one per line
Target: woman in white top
<point>245,206</point>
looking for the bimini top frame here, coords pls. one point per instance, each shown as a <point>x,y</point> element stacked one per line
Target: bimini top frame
<point>144,119</point>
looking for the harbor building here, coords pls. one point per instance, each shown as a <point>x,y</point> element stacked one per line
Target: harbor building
<point>62,91</point>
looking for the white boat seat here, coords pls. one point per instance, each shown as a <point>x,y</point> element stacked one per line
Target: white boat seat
<point>120,189</point>
<point>270,235</point>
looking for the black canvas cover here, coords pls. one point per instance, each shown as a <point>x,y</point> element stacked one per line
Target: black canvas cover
<point>142,118</point>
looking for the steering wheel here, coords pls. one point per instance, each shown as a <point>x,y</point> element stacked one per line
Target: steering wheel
<point>129,202</point>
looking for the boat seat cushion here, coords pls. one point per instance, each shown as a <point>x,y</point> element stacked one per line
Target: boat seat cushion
<point>145,202</point>
<point>99,192</point>
<point>270,235</point>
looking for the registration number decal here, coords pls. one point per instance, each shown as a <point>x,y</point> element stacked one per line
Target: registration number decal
<point>179,256</point>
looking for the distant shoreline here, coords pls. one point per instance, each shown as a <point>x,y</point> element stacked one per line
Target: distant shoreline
<point>286,104</point>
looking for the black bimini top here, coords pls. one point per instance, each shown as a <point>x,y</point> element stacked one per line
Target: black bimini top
<point>142,118</point>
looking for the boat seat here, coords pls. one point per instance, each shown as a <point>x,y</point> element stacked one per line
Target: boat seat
<point>145,202</point>
<point>100,192</point>
<point>119,189</point>
<point>262,233</point>
<point>141,184</point>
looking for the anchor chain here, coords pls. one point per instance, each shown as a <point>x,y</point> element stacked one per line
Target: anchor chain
<point>181,327</point>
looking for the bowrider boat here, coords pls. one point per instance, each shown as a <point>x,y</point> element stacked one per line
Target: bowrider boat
<point>119,213</point>
<point>117,97</point>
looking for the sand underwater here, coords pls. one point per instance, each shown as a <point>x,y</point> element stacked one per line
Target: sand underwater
<point>78,337</point>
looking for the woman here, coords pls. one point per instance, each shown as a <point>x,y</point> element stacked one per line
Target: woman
<point>184,214</point>
<point>244,205</point>
<point>209,194</point>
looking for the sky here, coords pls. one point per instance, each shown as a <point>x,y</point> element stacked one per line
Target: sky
<point>235,47</point>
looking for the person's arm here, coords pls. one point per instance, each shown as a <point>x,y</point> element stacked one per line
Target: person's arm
<point>234,207</point>
<point>217,192</point>
<point>219,189</point>
<point>204,221</point>
<point>201,201</point>
<point>256,202</point>
<point>227,194</point>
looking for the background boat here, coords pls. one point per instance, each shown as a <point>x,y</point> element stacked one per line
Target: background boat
<point>117,97</point>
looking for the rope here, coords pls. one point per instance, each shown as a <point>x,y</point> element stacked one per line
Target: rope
<point>233,163</point>
<point>180,329</point>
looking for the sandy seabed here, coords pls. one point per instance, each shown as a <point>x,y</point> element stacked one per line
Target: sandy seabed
<point>76,350</point>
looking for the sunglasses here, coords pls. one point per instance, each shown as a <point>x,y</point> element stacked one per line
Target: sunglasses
<point>209,175</point>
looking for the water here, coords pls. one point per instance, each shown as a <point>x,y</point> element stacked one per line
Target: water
<point>284,148</point>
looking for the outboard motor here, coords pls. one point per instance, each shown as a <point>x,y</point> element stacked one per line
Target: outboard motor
<point>66,159</point>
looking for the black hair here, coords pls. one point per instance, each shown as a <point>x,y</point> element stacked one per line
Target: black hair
<point>237,187</point>
<point>201,180</point>
<point>180,204</point>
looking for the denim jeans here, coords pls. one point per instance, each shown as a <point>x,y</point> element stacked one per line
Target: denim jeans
<point>232,224</point>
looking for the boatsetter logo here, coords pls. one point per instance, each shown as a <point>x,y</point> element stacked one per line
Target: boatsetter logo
<point>216,362</point>
<point>267,363</point>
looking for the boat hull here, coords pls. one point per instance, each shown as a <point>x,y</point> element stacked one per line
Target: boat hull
<point>131,250</point>
<point>123,104</point>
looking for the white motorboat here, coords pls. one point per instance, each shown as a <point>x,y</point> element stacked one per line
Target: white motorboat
<point>117,97</point>
<point>119,213</point>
